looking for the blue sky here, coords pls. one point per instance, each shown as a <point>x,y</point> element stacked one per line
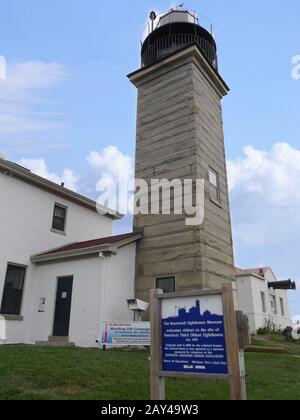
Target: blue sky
<point>67,95</point>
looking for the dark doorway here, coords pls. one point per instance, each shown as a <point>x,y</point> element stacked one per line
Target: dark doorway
<point>63,307</point>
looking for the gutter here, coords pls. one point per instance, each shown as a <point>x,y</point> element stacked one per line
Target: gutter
<point>71,254</point>
<point>105,248</point>
<point>13,170</point>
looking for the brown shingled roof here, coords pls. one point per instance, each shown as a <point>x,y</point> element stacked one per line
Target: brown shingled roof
<point>77,248</point>
<point>92,243</point>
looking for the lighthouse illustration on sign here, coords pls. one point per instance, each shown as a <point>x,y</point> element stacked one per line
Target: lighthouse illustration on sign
<point>194,341</point>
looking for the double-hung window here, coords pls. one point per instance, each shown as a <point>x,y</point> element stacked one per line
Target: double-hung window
<point>282,307</point>
<point>214,185</point>
<point>59,218</point>
<point>263,302</point>
<point>13,290</point>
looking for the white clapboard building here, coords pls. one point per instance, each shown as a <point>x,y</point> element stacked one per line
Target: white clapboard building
<point>62,272</point>
<point>263,298</point>
<point>58,280</point>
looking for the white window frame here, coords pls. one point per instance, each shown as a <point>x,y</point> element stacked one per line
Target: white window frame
<point>25,267</point>
<point>212,171</point>
<point>274,305</point>
<point>263,302</point>
<point>60,232</point>
<point>282,308</point>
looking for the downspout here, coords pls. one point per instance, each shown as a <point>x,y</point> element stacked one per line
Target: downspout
<point>103,288</point>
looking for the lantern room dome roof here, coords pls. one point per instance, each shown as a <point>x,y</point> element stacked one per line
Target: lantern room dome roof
<point>173,31</point>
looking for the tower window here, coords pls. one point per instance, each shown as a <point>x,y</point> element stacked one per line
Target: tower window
<point>263,302</point>
<point>13,290</point>
<point>59,218</point>
<point>214,185</point>
<point>274,305</point>
<point>167,284</point>
<point>282,307</point>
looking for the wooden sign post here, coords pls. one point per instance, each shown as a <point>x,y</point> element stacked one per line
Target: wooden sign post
<point>244,338</point>
<point>157,381</point>
<point>194,335</point>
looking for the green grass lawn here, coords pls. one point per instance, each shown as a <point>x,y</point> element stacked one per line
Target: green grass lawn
<point>277,340</point>
<point>50,373</point>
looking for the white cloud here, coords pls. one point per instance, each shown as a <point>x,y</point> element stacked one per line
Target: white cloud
<point>39,167</point>
<point>23,91</point>
<point>273,175</point>
<point>114,172</point>
<point>112,162</point>
<point>265,194</point>
<point>265,201</point>
<point>21,123</point>
<point>24,80</point>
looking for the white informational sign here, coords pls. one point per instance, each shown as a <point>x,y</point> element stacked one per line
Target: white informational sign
<point>123,334</point>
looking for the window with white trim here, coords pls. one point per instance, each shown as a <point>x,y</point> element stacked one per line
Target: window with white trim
<point>13,290</point>
<point>59,218</point>
<point>214,185</point>
<point>282,307</point>
<point>263,302</point>
<point>274,305</point>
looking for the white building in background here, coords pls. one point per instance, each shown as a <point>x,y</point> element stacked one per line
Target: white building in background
<point>263,298</point>
<point>64,293</point>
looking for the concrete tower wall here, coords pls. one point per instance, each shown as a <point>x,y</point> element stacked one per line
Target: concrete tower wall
<point>180,135</point>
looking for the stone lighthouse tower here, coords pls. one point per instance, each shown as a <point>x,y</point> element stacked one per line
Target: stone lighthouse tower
<point>180,136</point>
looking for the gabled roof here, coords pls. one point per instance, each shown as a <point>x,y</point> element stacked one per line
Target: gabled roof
<point>259,272</point>
<point>94,246</point>
<point>13,170</point>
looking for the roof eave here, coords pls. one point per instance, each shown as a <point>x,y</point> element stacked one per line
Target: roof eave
<point>68,254</point>
<point>251,275</point>
<point>110,248</point>
<point>45,184</point>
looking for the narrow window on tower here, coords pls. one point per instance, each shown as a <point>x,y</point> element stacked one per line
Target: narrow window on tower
<point>214,185</point>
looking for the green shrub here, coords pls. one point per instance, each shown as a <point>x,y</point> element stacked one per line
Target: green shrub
<point>287,333</point>
<point>263,331</point>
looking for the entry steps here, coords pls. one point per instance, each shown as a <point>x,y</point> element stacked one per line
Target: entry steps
<point>55,342</point>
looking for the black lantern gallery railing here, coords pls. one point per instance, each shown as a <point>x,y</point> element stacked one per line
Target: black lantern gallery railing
<point>169,44</point>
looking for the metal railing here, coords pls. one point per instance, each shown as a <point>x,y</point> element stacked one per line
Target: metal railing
<point>172,43</point>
